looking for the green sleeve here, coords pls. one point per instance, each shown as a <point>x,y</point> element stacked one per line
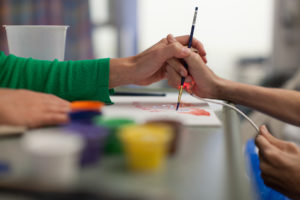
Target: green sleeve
<point>70,80</point>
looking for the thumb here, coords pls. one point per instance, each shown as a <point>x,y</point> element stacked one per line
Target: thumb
<point>273,140</point>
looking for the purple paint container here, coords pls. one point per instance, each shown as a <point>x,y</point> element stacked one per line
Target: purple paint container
<point>94,138</point>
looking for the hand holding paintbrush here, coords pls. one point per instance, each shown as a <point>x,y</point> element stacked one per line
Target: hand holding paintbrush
<point>184,63</point>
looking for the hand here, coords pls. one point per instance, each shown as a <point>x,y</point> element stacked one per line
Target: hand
<point>203,80</point>
<point>150,66</point>
<point>31,109</point>
<point>279,163</point>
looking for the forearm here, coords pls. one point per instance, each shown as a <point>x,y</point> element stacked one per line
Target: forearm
<point>279,103</point>
<point>121,71</point>
<point>70,80</point>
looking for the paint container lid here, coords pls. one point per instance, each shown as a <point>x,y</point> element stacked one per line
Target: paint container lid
<point>86,105</point>
<point>112,123</point>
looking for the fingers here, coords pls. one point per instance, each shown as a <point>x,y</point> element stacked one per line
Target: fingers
<point>283,145</point>
<point>55,104</point>
<point>173,77</point>
<point>264,131</point>
<point>173,50</point>
<point>272,182</point>
<point>262,143</point>
<point>194,59</point>
<point>54,108</point>
<point>184,41</point>
<point>268,169</point>
<point>56,100</point>
<point>267,151</point>
<point>178,67</point>
<point>54,119</point>
<point>48,119</point>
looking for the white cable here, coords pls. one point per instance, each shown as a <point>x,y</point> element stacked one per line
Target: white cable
<point>232,107</point>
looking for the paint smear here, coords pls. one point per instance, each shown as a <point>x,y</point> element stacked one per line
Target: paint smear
<point>185,108</point>
<point>158,107</point>
<point>197,112</point>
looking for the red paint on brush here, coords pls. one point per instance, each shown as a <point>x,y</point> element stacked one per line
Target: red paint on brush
<point>187,85</point>
<point>197,112</point>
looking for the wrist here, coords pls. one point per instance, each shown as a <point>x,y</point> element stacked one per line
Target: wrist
<point>121,71</point>
<point>222,87</point>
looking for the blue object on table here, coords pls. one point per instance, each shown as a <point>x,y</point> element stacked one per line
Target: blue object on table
<point>4,167</point>
<point>263,192</point>
<point>84,116</point>
<point>94,138</point>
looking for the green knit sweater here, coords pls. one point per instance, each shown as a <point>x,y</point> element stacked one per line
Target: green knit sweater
<point>70,80</point>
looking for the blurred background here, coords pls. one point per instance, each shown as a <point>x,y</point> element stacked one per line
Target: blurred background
<point>251,41</point>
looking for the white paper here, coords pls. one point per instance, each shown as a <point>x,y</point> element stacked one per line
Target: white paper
<point>193,112</point>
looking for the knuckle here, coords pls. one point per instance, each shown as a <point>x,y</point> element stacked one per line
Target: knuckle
<point>164,40</point>
<point>257,140</point>
<point>292,147</point>
<point>270,154</point>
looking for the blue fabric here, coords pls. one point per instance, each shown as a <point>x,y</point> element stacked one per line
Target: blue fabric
<point>263,192</point>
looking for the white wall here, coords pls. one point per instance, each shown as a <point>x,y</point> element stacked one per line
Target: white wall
<point>228,28</point>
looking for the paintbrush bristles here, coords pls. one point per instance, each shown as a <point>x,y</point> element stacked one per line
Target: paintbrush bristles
<point>179,97</point>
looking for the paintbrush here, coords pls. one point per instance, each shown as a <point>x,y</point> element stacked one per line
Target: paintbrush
<point>184,63</point>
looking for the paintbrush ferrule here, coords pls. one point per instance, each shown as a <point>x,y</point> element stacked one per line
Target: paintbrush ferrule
<point>179,97</point>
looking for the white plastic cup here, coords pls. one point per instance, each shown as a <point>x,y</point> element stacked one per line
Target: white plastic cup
<point>53,156</point>
<point>43,42</point>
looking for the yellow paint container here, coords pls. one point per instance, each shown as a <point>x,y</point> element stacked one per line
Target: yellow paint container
<point>146,146</point>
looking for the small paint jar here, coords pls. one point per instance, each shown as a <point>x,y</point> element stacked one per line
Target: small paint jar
<point>94,138</point>
<point>176,127</point>
<point>84,116</point>
<point>85,111</point>
<point>113,144</point>
<point>53,156</point>
<point>146,146</point>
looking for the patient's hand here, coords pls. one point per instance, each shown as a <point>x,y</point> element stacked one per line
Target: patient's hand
<point>31,109</point>
<point>204,81</point>
<point>279,163</point>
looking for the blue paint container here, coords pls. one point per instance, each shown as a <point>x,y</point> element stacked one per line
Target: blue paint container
<point>84,116</point>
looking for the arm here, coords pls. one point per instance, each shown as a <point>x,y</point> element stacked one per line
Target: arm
<point>70,80</point>
<point>279,103</point>
<point>91,79</point>
<point>283,104</point>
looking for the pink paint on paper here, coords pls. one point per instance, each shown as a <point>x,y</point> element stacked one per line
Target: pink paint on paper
<point>197,112</point>
<point>185,108</point>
